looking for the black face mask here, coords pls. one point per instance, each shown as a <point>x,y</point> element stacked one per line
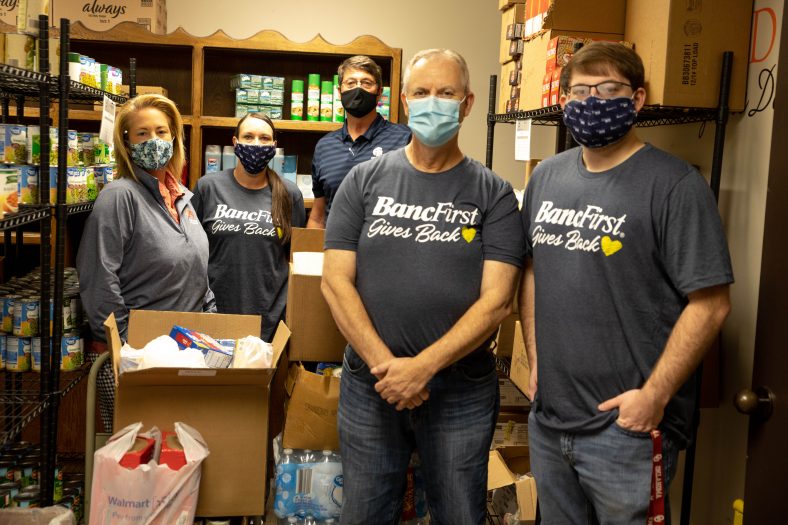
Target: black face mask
<point>358,102</point>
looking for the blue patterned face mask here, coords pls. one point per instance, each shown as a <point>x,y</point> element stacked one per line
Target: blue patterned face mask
<point>254,157</point>
<point>597,122</point>
<point>151,155</point>
<point>434,120</point>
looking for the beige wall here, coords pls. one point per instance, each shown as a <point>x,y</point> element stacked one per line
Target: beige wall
<point>472,27</point>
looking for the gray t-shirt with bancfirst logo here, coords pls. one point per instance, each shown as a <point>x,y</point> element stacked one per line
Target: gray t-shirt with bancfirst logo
<point>421,240</point>
<point>615,256</point>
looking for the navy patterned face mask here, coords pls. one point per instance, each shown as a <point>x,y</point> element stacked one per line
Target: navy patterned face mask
<point>597,122</point>
<point>254,157</point>
<point>151,155</point>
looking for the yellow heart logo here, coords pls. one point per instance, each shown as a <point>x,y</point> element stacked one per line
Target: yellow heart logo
<point>609,246</point>
<point>279,232</point>
<point>468,233</point>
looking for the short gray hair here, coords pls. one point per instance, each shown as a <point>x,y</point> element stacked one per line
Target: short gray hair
<point>428,54</point>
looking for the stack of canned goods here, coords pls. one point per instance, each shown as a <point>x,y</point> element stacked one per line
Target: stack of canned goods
<point>20,465</point>
<point>20,309</point>
<point>90,164</point>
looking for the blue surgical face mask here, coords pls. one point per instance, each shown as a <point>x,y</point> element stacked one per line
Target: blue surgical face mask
<point>597,122</point>
<point>434,120</point>
<point>151,155</point>
<point>254,157</point>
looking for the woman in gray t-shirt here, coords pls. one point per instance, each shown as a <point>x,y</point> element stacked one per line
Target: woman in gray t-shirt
<point>247,213</point>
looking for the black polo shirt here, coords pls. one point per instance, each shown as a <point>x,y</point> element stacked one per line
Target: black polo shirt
<point>337,152</point>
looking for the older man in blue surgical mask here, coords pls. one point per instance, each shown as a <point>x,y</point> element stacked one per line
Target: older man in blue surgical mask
<point>423,249</point>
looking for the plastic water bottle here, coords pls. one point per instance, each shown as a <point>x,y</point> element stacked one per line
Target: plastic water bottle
<point>213,158</point>
<point>310,520</point>
<point>327,482</point>
<point>307,456</point>
<point>284,504</point>
<point>278,162</point>
<point>292,520</point>
<point>228,157</point>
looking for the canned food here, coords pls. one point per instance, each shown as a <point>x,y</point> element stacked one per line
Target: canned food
<point>26,312</point>
<point>7,468</point>
<point>28,184</point>
<point>7,313</point>
<point>85,151</point>
<point>54,145</point>
<point>57,489</point>
<point>28,468</point>
<point>35,352</point>
<point>5,498</point>
<point>17,354</point>
<point>2,351</point>
<point>72,157</point>
<point>26,500</point>
<point>12,487</point>
<point>67,502</point>
<point>71,355</point>
<point>15,144</point>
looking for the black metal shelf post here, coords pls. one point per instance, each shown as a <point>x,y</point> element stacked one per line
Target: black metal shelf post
<point>649,116</point>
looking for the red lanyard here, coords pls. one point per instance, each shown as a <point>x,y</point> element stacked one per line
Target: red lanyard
<point>656,507</point>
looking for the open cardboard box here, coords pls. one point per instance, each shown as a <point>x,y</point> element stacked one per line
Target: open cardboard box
<point>504,467</point>
<point>315,336</point>
<point>520,370</point>
<point>229,407</point>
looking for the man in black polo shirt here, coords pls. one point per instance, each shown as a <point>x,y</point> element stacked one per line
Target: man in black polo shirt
<point>364,136</point>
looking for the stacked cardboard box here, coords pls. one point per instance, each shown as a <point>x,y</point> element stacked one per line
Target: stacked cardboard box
<point>512,27</point>
<point>151,14</point>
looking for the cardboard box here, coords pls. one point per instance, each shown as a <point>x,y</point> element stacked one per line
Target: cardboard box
<point>151,14</point>
<point>534,59</point>
<point>8,11</point>
<point>311,414</point>
<point>315,336</point>
<point>574,15</point>
<point>504,467</point>
<point>505,4</point>
<point>144,90</point>
<point>511,395</point>
<point>229,407</point>
<point>519,370</point>
<point>27,15</point>
<point>505,339</point>
<point>555,86</point>
<point>681,44</point>
<point>511,430</point>
<point>513,15</point>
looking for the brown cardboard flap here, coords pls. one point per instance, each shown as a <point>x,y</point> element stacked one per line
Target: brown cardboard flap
<point>579,15</point>
<point>520,370</point>
<point>311,418</point>
<point>111,331</point>
<point>306,240</point>
<point>498,474</point>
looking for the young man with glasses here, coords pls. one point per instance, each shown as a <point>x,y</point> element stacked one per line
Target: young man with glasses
<point>423,250</point>
<point>625,287</point>
<point>364,136</point>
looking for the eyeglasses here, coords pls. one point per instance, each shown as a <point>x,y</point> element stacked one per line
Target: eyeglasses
<point>352,83</point>
<point>606,89</point>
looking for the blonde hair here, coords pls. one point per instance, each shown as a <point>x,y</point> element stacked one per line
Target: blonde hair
<point>125,166</point>
<point>428,54</point>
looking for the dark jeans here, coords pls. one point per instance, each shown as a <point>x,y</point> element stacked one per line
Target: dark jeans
<point>603,477</point>
<point>452,432</point>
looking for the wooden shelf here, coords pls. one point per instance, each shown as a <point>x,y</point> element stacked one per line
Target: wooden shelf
<point>27,238</point>
<point>281,125</point>
<point>196,71</point>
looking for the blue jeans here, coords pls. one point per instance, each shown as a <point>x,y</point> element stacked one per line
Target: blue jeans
<point>452,432</point>
<point>603,477</point>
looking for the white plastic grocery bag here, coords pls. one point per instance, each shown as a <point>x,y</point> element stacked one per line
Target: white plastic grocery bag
<point>149,494</point>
